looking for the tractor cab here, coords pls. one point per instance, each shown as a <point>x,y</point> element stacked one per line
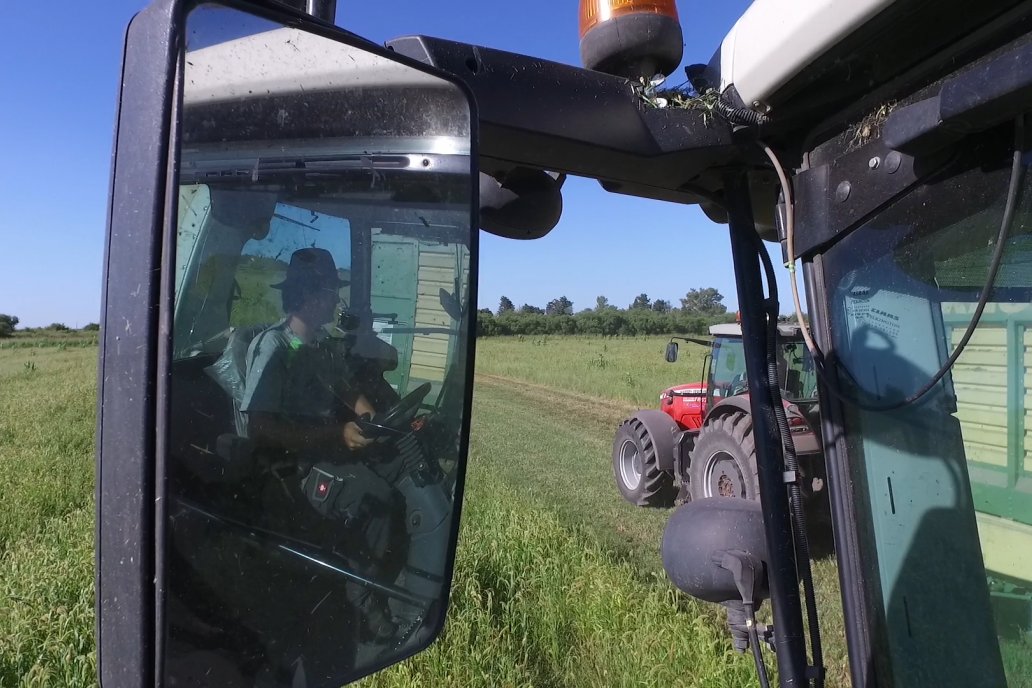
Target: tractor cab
<point>727,376</point>
<point>724,374</point>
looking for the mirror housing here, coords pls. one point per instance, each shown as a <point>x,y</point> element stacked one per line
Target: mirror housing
<point>521,203</point>
<point>137,396</point>
<point>697,537</point>
<point>671,352</point>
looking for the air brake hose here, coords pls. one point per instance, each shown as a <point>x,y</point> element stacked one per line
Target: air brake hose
<point>802,544</point>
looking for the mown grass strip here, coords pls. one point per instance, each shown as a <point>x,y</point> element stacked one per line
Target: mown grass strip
<point>536,603</point>
<point>630,369</point>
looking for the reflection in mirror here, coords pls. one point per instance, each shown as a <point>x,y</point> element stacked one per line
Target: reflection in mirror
<point>318,376</point>
<point>671,352</point>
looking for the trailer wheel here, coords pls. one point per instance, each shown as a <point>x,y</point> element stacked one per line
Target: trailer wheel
<point>636,467</point>
<point>724,459</point>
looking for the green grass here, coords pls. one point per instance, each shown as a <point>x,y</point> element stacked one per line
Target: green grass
<point>558,580</point>
<point>48,338</point>
<point>537,602</point>
<point>629,369</point>
<point>47,421</point>
<point>46,516</point>
<point>46,605</point>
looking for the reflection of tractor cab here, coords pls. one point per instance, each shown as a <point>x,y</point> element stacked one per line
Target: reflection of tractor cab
<point>288,523</point>
<point>699,444</point>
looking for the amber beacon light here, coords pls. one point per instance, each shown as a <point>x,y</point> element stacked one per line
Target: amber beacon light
<point>630,38</point>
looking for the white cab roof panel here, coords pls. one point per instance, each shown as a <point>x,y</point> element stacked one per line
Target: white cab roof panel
<point>776,39</point>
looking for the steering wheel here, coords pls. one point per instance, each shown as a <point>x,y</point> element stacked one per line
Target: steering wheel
<point>396,419</point>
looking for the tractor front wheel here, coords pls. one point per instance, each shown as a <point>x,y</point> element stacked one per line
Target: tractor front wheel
<point>723,462</point>
<point>636,467</point>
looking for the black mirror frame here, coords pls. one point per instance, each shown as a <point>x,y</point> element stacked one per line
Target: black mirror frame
<point>671,351</point>
<point>132,379</point>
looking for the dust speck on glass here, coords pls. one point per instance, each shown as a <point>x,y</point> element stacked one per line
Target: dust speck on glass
<point>319,366</point>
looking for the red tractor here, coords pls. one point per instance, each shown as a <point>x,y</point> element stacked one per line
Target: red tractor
<point>700,441</point>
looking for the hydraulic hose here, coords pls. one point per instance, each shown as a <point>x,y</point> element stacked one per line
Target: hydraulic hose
<point>754,641</point>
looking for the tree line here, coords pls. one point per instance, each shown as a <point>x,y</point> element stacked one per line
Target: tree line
<point>698,309</point>
<point>9,323</point>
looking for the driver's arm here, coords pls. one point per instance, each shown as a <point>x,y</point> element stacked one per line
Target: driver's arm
<point>267,424</point>
<point>353,437</point>
<point>273,429</point>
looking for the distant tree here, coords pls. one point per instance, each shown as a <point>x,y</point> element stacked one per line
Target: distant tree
<point>7,325</point>
<point>486,323</point>
<point>642,302</point>
<point>602,304</point>
<point>661,306</point>
<point>58,327</point>
<point>560,306</point>
<point>91,327</point>
<point>505,305</point>
<point>527,308</point>
<point>705,301</point>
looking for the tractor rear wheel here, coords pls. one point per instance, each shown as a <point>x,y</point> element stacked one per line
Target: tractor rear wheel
<point>636,467</point>
<point>723,462</point>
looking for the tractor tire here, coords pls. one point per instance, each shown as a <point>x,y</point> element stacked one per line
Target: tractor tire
<point>723,462</point>
<point>636,467</point>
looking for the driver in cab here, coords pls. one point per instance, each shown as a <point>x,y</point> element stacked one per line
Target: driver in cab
<point>299,401</point>
<point>294,387</point>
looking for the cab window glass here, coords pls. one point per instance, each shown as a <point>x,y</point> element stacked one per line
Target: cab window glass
<point>943,482</point>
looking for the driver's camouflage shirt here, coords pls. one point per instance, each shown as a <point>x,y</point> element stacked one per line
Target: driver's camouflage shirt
<point>303,382</point>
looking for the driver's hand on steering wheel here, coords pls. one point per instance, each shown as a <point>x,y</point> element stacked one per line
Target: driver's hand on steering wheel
<point>353,437</point>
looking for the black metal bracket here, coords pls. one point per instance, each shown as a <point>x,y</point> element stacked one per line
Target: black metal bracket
<point>833,198</point>
<point>546,115</point>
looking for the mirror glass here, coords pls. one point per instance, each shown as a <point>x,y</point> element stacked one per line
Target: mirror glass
<point>671,352</point>
<point>318,378</point>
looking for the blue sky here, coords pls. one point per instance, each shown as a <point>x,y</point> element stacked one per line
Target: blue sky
<point>60,78</point>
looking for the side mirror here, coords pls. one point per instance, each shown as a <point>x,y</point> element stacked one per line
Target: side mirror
<point>268,168</point>
<point>671,352</point>
<point>715,550</point>
<point>450,304</point>
<point>520,203</point>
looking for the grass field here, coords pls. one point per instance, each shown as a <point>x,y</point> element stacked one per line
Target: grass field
<point>47,408</point>
<point>558,580</point>
<point>630,370</point>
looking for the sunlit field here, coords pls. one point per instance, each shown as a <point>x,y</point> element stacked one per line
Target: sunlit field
<point>558,580</point>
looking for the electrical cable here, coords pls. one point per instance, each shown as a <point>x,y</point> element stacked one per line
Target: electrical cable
<point>800,539</point>
<point>1016,180</point>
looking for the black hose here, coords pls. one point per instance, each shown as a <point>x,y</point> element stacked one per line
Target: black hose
<point>802,543</point>
<point>754,641</point>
